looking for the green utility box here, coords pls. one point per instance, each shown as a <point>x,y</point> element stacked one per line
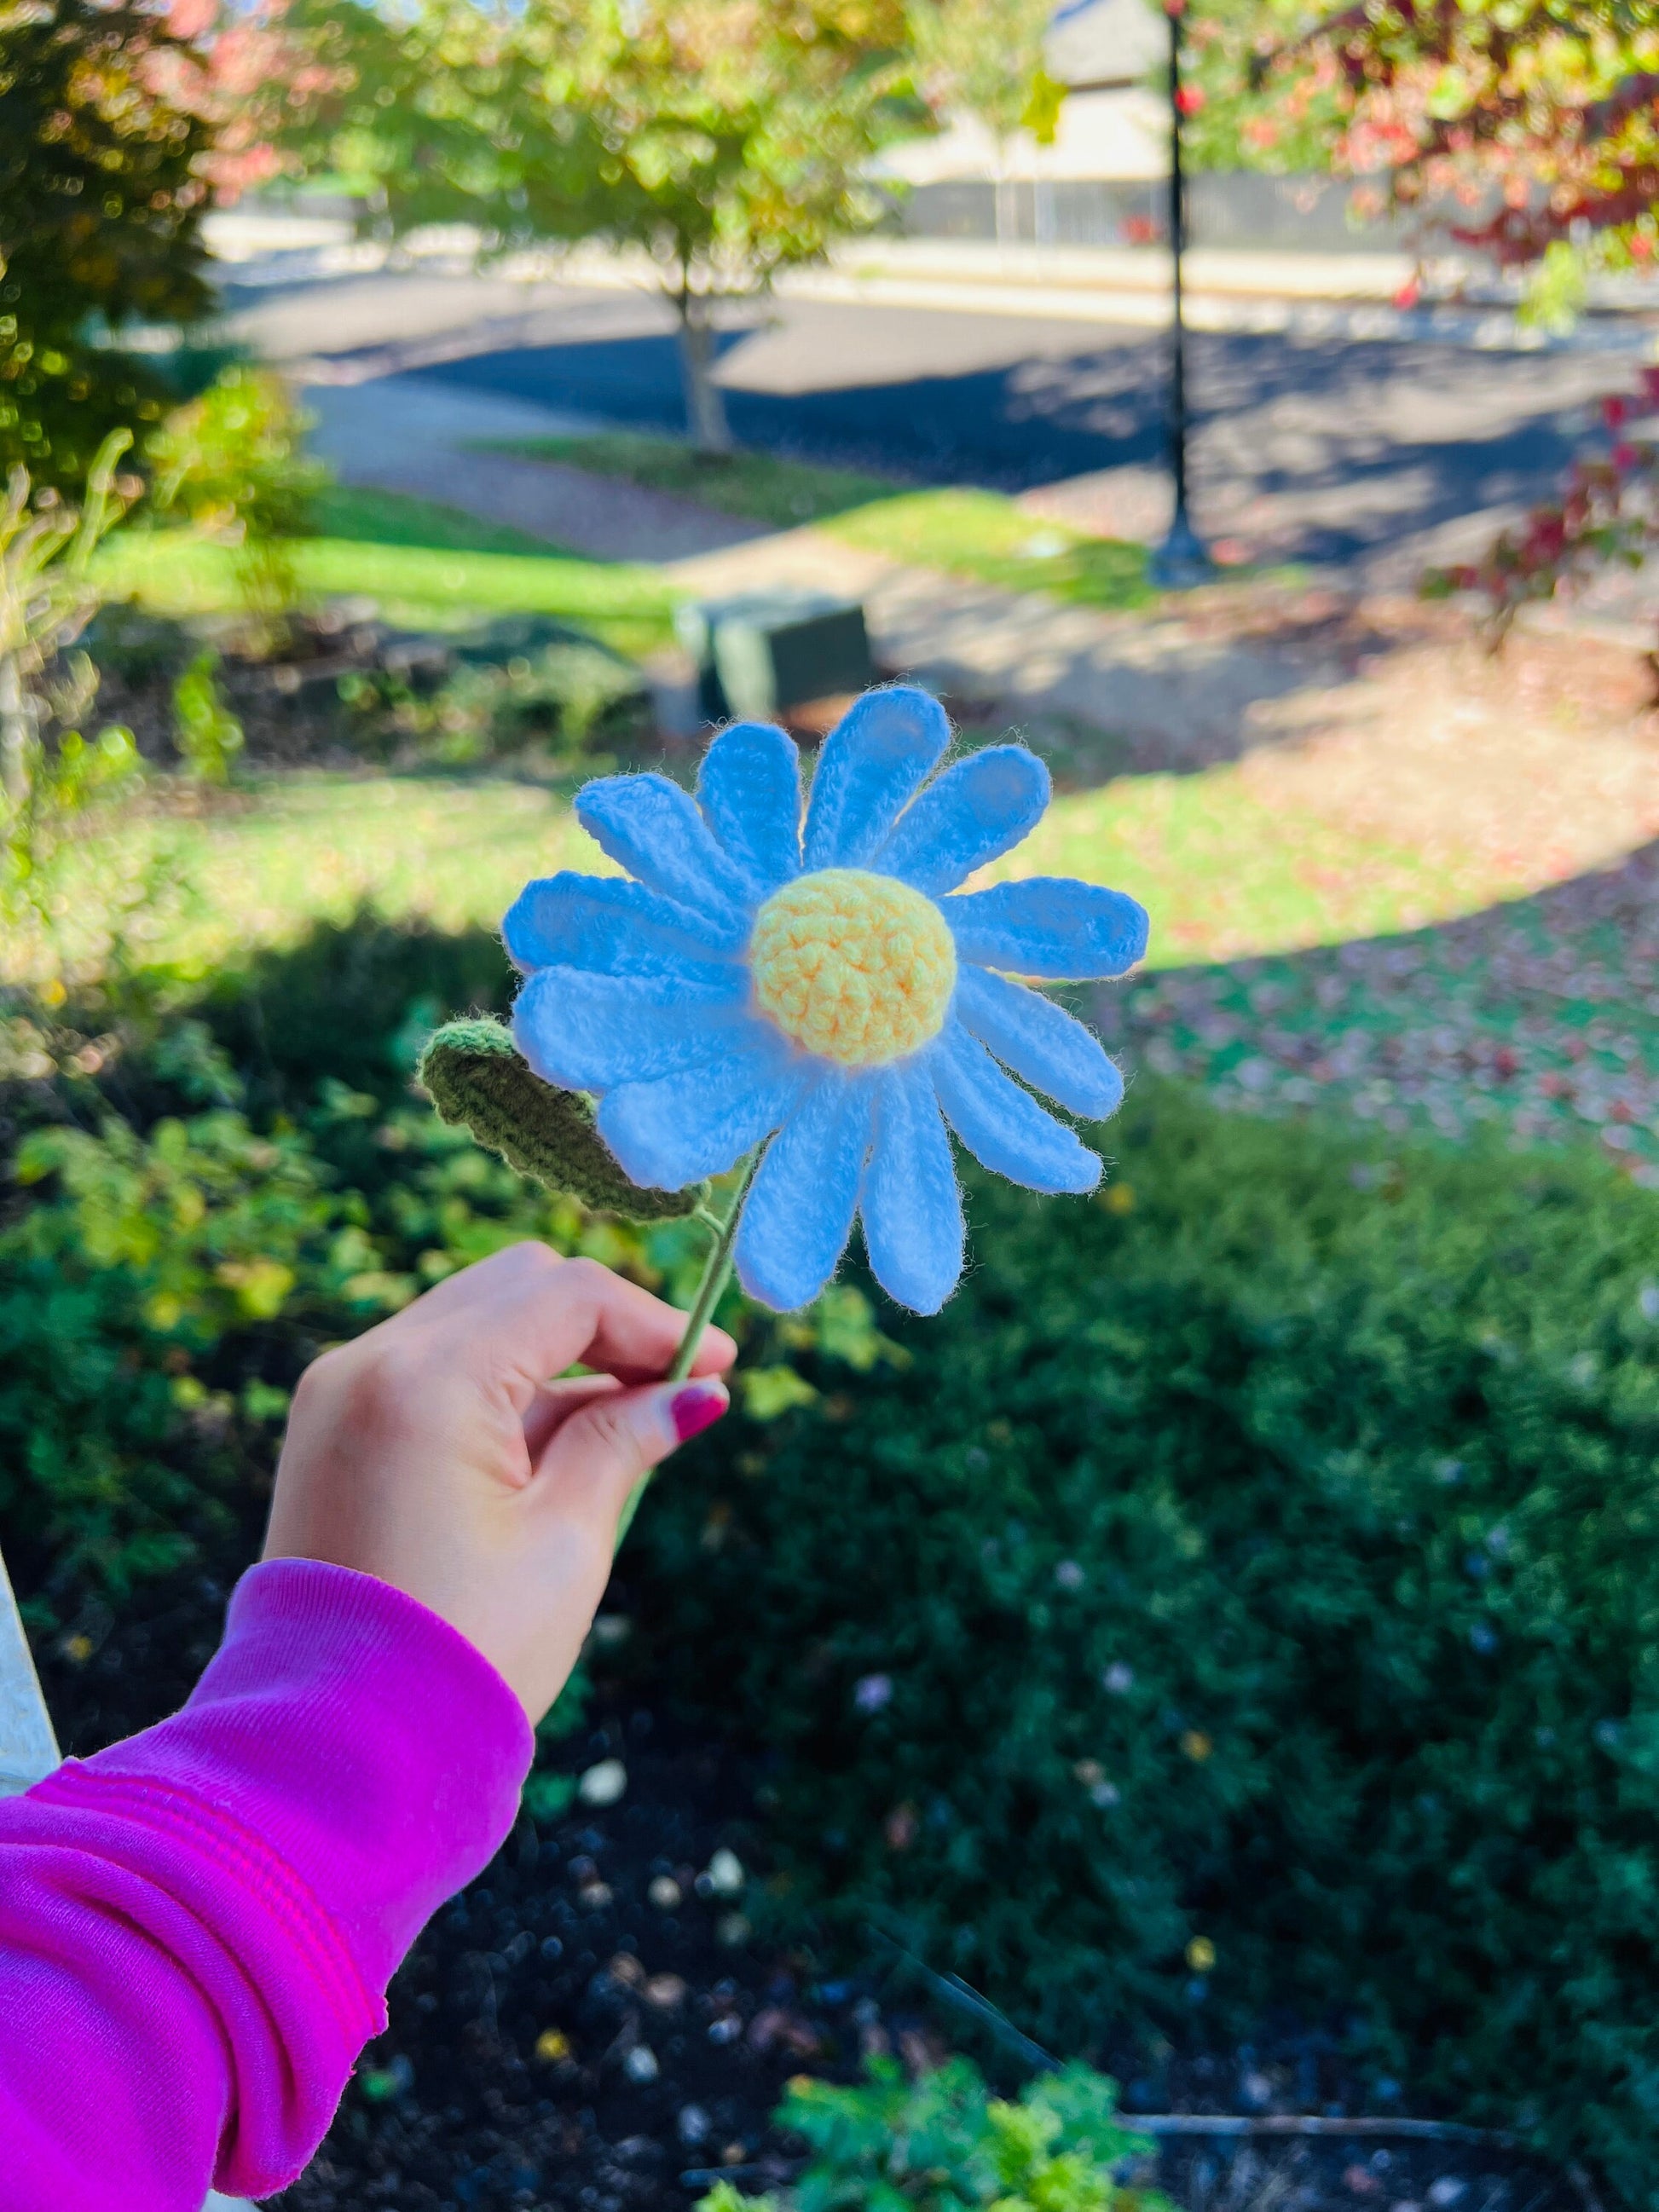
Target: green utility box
<point>760,655</point>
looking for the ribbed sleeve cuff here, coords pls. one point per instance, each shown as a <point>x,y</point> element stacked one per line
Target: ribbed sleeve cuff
<point>349,1734</point>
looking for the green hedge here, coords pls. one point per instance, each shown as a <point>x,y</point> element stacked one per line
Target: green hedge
<point>245,1180</point>
<point>1262,1558</point>
<point>252,1178</point>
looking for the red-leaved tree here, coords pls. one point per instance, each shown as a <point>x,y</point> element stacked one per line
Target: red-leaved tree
<point>1519,124</point>
<point>1528,130</point>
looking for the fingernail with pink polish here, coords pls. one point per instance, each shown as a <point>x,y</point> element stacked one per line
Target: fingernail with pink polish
<point>695,1407</point>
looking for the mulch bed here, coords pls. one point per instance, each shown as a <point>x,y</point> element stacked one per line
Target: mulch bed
<point>287,702</point>
<point>594,2023</point>
<point>338,687</point>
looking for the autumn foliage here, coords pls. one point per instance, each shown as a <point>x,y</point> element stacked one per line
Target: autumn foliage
<point>1520,123</point>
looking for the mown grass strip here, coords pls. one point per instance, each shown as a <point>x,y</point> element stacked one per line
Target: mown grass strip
<point>964,531</point>
<point>413,585</point>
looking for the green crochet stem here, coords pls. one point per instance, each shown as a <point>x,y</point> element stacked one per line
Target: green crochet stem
<point>716,1274</point>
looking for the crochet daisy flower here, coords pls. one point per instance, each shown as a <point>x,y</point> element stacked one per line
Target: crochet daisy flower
<point>826,986</point>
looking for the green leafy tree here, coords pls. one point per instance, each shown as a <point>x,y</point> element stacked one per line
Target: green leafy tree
<point>100,204</point>
<point>985,58</point>
<point>722,140</point>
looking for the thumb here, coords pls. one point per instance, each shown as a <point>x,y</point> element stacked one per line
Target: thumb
<point>601,1452</point>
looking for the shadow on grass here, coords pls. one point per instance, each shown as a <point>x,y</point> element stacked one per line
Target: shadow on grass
<point>352,1001</point>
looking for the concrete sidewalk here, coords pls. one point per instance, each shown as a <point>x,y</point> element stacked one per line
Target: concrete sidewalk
<point>1230,307</point>
<point>1162,684</point>
<point>1310,296</point>
<point>410,435</point>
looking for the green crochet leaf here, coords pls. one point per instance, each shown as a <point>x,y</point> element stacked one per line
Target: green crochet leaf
<point>479,1081</point>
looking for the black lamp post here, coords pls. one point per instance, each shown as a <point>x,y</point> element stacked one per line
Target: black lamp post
<point>1184,559</point>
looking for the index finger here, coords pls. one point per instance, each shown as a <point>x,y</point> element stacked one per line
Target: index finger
<point>535,1314</point>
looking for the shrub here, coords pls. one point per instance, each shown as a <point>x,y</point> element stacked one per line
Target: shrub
<point>98,1465</point>
<point>207,734</point>
<point>201,1261</point>
<point>233,462</point>
<point>50,777</point>
<point>943,2143</point>
<point>1244,1597</point>
<point>115,1292</point>
<point>560,695</point>
<point>520,684</point>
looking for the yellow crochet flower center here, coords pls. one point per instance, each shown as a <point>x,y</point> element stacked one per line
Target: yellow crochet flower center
<point>856,968</point>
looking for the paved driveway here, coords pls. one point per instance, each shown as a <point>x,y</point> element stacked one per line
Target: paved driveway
<point>1377,455</point>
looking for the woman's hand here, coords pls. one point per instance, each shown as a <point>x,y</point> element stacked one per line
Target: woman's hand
<point>435,1453</point>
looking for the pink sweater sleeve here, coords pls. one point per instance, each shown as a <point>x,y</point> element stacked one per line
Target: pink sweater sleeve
<point>197,1926</point>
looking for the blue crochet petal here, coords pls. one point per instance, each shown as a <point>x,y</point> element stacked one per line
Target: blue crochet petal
<point>978,808</point>
<point>1002,1126</point>
<point>610,926</point>
<point>911,1205</point>
<point>652,829</point>
<point>799,1212</point>
<point>1040,1042</point>
<point>701,1123</point>
<point>587,1032</point>
<point>1048,926</point>
<point>749,789</point>
<point>874,758</point>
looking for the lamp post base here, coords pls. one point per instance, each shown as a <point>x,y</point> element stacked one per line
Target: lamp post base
<point>1182,561</point>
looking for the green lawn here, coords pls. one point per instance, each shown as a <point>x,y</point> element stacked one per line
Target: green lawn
<point>257,867</point>
<point>424,567</point>
<point>1223,875</point>
<point>967,532</point>
<point>759,487</point>
<point>986,536</point>
<point>364,515</point>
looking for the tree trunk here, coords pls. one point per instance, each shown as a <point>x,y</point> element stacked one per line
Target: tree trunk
<point>705,404</point>
<point>16,727</point>
<point>1002,193</point>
